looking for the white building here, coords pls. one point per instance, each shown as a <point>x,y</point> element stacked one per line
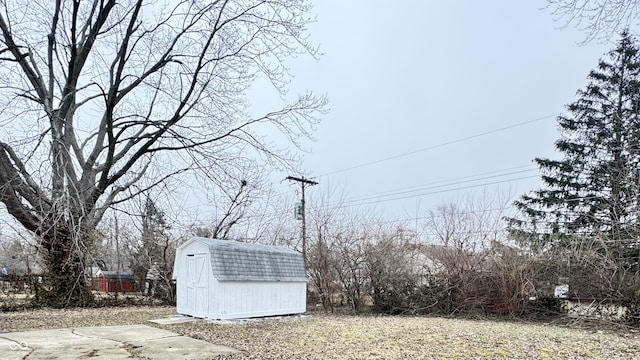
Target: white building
<point>224,279</point>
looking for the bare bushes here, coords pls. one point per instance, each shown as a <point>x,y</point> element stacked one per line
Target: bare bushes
<point>400,277</point>
<point>389,271</point>
<point>446,280</point>
<point>463,269</point>
<point>463,265</point>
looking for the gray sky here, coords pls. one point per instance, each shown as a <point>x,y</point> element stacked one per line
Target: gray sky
<point>408,76</point>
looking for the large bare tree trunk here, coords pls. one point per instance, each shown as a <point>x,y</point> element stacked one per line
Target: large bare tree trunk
<point>65,285</point>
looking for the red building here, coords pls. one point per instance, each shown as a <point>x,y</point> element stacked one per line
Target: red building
<point>113,281</point>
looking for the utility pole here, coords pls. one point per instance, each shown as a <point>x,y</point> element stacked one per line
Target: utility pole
<point>303,182</point>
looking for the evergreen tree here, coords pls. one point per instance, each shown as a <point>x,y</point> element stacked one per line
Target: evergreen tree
<point>593,190</point>
<point>153,237</point>
<point>150,256</point>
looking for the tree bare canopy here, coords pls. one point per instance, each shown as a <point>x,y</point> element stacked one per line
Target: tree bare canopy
<point>99,96</point>
<point>598,18</point>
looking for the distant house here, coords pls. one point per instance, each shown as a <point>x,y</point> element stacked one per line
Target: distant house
<point>224,279</point>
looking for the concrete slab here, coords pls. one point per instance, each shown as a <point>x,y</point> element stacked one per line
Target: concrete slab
<point>178,319</point>
<point>106,342</point>
<point>127,333</point>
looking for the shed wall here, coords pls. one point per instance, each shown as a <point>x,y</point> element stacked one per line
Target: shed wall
<point>254,299</point>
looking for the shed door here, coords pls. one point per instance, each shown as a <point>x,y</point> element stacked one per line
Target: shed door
<point>197,282</point>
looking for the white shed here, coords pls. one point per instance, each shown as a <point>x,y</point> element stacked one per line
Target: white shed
<point>225,279</point>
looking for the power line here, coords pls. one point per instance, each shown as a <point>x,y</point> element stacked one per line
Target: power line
<point>417,187</point>
<point>392,195</point>
<point>425,187</point>
<point>443,216</point>
<point>427,193</point>
<point>438,145</point>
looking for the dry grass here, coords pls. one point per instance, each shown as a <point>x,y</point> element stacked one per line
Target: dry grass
<point>371,337</point>
<point>55,319</point>
<point>346,337</point>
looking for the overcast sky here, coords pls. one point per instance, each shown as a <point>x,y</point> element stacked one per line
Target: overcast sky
<point>463,88</point>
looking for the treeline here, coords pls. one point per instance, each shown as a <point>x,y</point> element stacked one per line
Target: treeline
<point>394,272</point>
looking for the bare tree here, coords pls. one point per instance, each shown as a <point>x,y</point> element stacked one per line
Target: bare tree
<point>349,261</point>
<point>337,258</point>
<point>318,260</point>
<point>252,212</point>
<point>472,224</point>
<point>602,18</point>
<point>98,95</point>
<point>234,212</point>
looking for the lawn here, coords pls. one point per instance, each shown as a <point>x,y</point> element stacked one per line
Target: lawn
<point>320,336</point>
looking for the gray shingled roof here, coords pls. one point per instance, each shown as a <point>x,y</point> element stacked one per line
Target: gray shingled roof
<point>238,261</point>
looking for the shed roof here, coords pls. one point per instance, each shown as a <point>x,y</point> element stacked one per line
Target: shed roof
<point>116,275</point>
<point>239,261</point>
